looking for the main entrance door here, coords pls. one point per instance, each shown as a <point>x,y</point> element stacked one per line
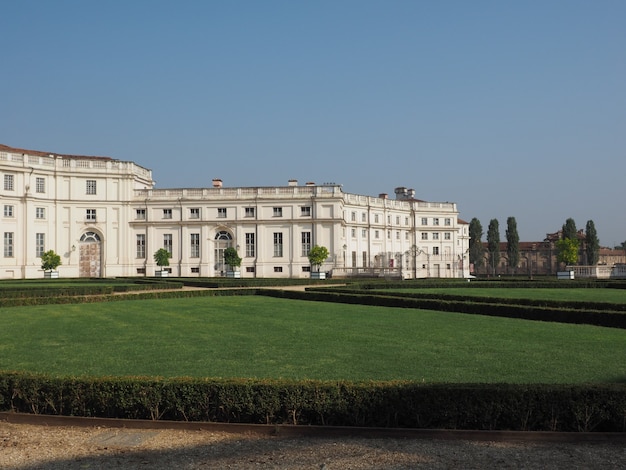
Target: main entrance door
<point>223,240</point>
<point>90,255</point>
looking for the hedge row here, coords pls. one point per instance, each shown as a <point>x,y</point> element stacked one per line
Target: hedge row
<point>599,408</point>
<point>589,317</point>
<point>493,283</point>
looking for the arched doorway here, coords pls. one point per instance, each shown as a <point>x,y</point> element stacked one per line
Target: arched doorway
<point>90,255</point>
<point>223,240</point>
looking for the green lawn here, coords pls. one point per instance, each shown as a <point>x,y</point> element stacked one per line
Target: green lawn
<point>265,337</point>
<point>573,294</point>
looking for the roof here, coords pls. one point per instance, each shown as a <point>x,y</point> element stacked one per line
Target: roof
<point>38,153</point>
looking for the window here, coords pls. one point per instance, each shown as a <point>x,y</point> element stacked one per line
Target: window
<point>278,211</point>
<point>397,220</point>
<point>353,232</point>
<point>436,236</point>
<point>90,187</point>
<point>424,221</point>
<point>195,270</point>
<point>306,269</point>
<point>376,234</point>
<point>389,234</point>
<point>305,211</point>
<point>425,236</point>
<point>40,185</point>
<point>447,222</point>
<point>363,217</point>
<point>278,244</point>
<point>306,243</point>
<point>8,211</point>
<point>9,183</point>
<point>435,221</point>
<point>249,269</point>
<point>40,243</point>
<point>406,235</point>
<point>167,213</point>
<point>141,245</point>
<point>446,236</point>
<point>353,216</point>
<point>406,221</point>
<point>388,220</point>
<point>140,214</point>
<point>278,269</point>
<point>364,233</point>
<point>195,245</point>
<point>40,212</point>
<point>249,212</point>
<point>435,250</point>
<point>397,235</point>
<point>250,245</point>
<point>194,213</point>
<point>221,212</point>
<point>90,215</point>
<point>8,244</point>
<point>167,243</point>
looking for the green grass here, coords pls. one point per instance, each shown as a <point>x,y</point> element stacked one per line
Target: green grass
<point>273,338</point>
<point>573,294</point>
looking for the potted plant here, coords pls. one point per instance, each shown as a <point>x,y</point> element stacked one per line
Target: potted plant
<point>233,260</point>
<point>162,259</point>
<point>317,256</point>
<point>50,261</point>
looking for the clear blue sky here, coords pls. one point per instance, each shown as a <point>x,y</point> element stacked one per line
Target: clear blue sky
<point>506,108</point>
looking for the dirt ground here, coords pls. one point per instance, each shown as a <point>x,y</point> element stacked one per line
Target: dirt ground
<point>29,447</point>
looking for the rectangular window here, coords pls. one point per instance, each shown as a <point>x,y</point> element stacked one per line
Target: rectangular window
<point>353,216</point>
<point>406,221</point>
<point>278,269</point>
<point>195,245</point>
<point>424,221</point>
<point>40,212</point>
<point>140,214</point>
<point>40,185</point>
<point>306,269</point>
<point>388,220</point>
<point>194,213</point>
<point>406,235</point>
<point>90,215</point>
<point>250,245</point>
<point>195,270</point>
<point>447,222</point>
<point>167,243</point>
<point>375,218</point>
<point>389,234</point>
<point>167,213</point>
<point>425,236</point>
<point>8,211</point>
<point>221,212</point>
<point>364,233</point>
<point>397,220</point>
<point>447,236</point>
<point>40,243</point>
<point>91,187</point>
<point>249,212</point>
<point>305,211</point>
<point>278,244</point>
<point>249,269</point>
<point>9,183</point>
<point>435,221</point>
<point>436,236</point>
<point>376,234</point>
<point>435,250</point>
<point>141,245</point>
<point>363,217</point>
<point>306,243</point>
<point>353,232</point>
<point>8,244</point>
<point>277,211</point>
<point>397,235</point>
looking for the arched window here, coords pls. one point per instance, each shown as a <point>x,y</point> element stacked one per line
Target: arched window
<point>90,237</point>
<point>223,240</point>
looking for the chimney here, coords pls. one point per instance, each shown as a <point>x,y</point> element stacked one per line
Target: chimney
<point>310,183</point>
<point>383,195</point>
<point>217,183</point>
<point>411,193</point>
<point>292,183</point>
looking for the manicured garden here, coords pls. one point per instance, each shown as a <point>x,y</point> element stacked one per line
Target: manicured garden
<point>260,337</point>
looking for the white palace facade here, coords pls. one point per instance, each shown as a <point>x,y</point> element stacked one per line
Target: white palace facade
<point>105,218</point>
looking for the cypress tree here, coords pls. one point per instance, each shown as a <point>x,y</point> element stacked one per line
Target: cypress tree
<point>475,244</point>
<point>592,244</point>
<point>493,243</point>
<point>512,243</point>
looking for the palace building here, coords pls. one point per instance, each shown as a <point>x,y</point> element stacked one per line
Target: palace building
<point>105,218</point>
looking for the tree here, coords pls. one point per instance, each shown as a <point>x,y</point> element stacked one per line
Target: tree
<point>162,257</point>
<point>232,258</point>
<point>512,242</point>
<point>476,248</point>
<point>567,251</point>
<point>317,256</point>
<point>569,229</point>
<point>50,260</point>
<point>592,244</point>
<point>493,243</point>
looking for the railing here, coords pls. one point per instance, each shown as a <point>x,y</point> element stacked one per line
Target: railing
<point>599,272</point>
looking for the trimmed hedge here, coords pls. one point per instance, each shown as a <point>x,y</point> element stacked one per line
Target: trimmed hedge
<point>525,312</point>
<point>599,408</point>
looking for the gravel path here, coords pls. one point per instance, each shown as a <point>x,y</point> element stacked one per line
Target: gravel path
<point>29,447</point>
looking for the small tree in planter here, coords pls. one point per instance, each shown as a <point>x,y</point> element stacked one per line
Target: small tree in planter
<point>50,261</point>
<point>162,259</point>
<point>317,256</point>
<point>233,260</point>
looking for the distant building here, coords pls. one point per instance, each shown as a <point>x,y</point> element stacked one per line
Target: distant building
<point>105,218</point>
